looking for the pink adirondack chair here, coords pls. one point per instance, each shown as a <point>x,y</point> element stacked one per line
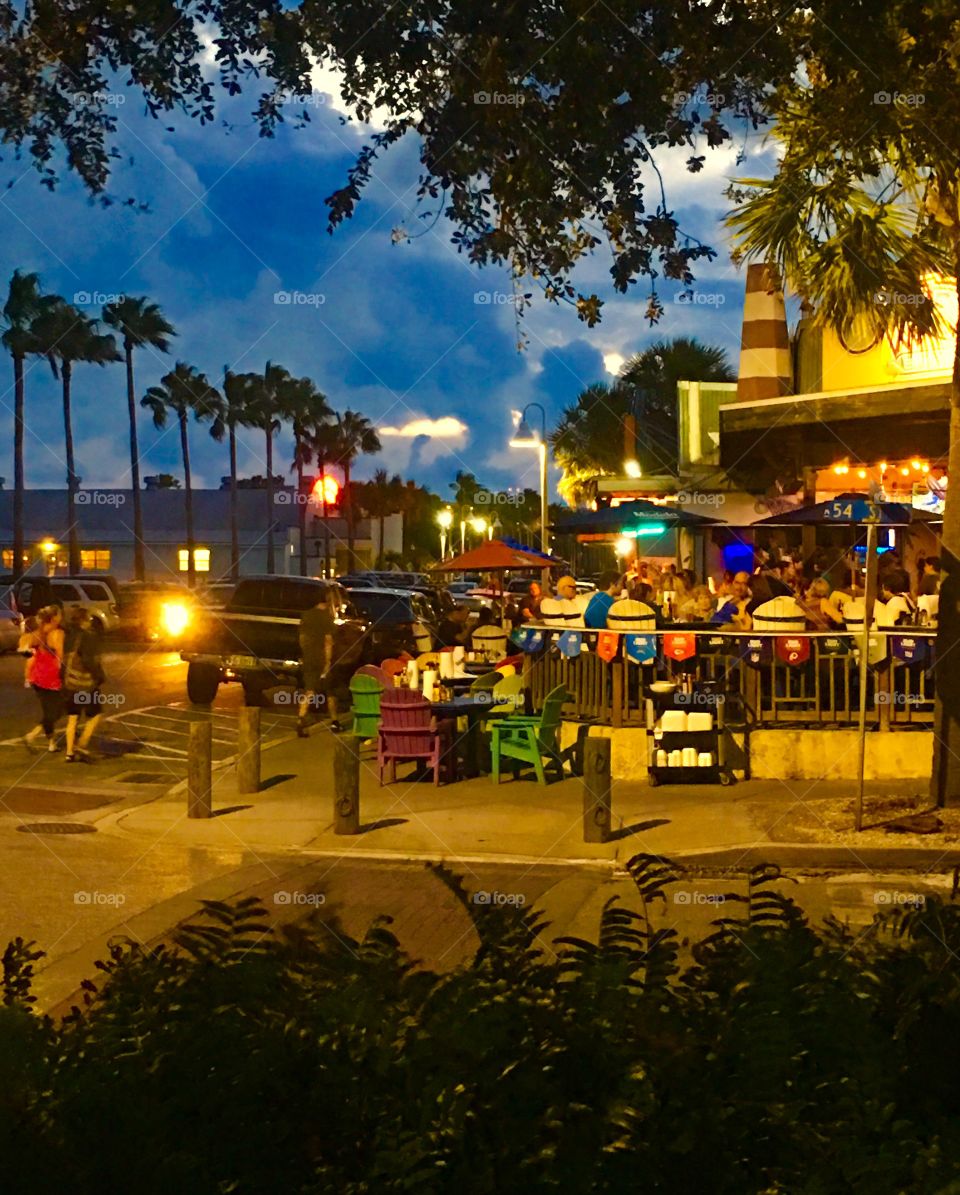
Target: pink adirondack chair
<point>409,731</point>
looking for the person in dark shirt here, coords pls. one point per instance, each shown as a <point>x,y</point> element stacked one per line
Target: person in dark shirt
<point>530,603</point>
<point>930,577</point>
<point>453,630</point>
<point>316,653</point>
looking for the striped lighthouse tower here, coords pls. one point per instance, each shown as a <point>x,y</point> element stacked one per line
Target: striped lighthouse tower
<point>765,368</point>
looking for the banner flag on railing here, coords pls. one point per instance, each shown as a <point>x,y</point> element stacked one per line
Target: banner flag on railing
<point>758,652</point>
<point>570,643</point>
<point>641,649</point>
<point>531,641</point>
<point>608,644</point>
<point>679,645</point>
<point>834,645</point>
<point>908,649</point>
<point>793,650</point>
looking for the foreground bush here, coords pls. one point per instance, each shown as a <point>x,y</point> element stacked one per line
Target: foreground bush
<point>782,1059</point>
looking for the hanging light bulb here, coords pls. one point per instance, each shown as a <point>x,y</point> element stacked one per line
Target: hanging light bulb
<point>862,473</point>
<point>905,472</point>
<point>915,465</point>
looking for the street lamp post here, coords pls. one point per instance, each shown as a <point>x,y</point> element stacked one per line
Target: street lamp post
<point>527,437</point>
<point>445,522</point>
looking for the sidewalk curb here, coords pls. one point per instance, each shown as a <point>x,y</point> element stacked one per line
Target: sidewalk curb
<point>821,857</point>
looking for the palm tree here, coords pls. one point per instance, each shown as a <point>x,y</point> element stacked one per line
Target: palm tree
<point>182,391</point>
<point>326,444</point>
<point>652,376</point>
<point>141,324</point>
<point>24,304</point>
<point>307,409</point>
<point>264,411</point>
<point>236,413</point>
<point>66,336</point>
<point>357,435</point>
<point>588,440</point>
<point>382,496</point>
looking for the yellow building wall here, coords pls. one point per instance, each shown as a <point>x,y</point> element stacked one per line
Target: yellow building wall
<point>883,365</point>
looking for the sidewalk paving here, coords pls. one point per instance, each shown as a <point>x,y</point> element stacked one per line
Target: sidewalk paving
<point>731,827</point>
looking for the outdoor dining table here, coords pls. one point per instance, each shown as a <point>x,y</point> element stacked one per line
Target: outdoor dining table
<point>474,707</point>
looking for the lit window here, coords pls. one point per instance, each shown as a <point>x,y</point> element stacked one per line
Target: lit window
<point>95,559</point>
<point>201,560</point>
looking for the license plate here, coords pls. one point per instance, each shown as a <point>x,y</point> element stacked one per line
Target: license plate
<point>242,661</point>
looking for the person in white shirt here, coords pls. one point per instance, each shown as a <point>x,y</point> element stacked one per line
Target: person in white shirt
<point>900,607</point>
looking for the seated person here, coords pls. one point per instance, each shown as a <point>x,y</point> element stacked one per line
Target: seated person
<point>929,577</point>
<point>822,613</point>
<point>454,631</point>
<point>608,590</point>
<point>530,603</point>
<point>895,594</point>
<point>697,606</point>
<point>733,612</point>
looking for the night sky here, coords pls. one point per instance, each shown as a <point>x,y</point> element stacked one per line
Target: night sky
<point>410,334</point>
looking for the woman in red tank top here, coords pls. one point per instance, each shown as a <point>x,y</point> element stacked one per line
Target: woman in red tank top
<point>45,675</point>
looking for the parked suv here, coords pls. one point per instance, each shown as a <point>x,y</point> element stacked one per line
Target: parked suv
<point>398,620</point>
<point>33,593</point>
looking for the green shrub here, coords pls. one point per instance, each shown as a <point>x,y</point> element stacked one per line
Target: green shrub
<point>783,1058</point>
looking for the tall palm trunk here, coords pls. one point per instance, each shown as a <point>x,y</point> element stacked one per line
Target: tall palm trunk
<point>73,536</point>
<point>348,510</point>
<point>188,501</point>
<point>326,525</point>
<point>301,515</point>
<point>138,560</point>
<point>945,780</point>
<point>18,483</point>
<point>382,521</point>
<point>271,564</point>
<point>234,534</point>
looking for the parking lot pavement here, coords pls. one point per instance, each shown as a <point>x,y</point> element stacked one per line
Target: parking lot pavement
<point>141,749</point>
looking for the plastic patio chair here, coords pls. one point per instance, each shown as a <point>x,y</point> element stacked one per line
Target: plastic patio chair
<point>378,673</point>
<point>530,740</point>
<point>508,696</point>
<point>365,694</point>
<point>409,731</point>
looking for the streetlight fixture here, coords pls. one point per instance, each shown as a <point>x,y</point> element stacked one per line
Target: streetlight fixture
<point>527,437</point>
<point>478,524</point>
<point>445,522</point>
<point>632,469</point>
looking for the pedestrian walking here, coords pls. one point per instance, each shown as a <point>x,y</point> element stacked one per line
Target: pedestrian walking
<point>83,676</point>
<point>45,675</point>
<point>316,651</point>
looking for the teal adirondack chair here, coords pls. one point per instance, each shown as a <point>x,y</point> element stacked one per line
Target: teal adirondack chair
<point>530,740</point>
<point>365,697</point>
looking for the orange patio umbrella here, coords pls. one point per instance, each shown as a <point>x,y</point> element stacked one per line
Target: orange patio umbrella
<point>497,556</point>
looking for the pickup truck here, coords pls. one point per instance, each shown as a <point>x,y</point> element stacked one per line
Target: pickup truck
<point>255,638</point>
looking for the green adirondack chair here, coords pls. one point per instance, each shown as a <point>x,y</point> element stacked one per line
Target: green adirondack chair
<point>530,740</point>
<point>365,697</point>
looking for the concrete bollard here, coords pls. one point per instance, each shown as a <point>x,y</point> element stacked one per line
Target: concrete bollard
<point>596,790</point>
<point>199,769</point>
<point>346,785</point>
<point>248,751</point>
